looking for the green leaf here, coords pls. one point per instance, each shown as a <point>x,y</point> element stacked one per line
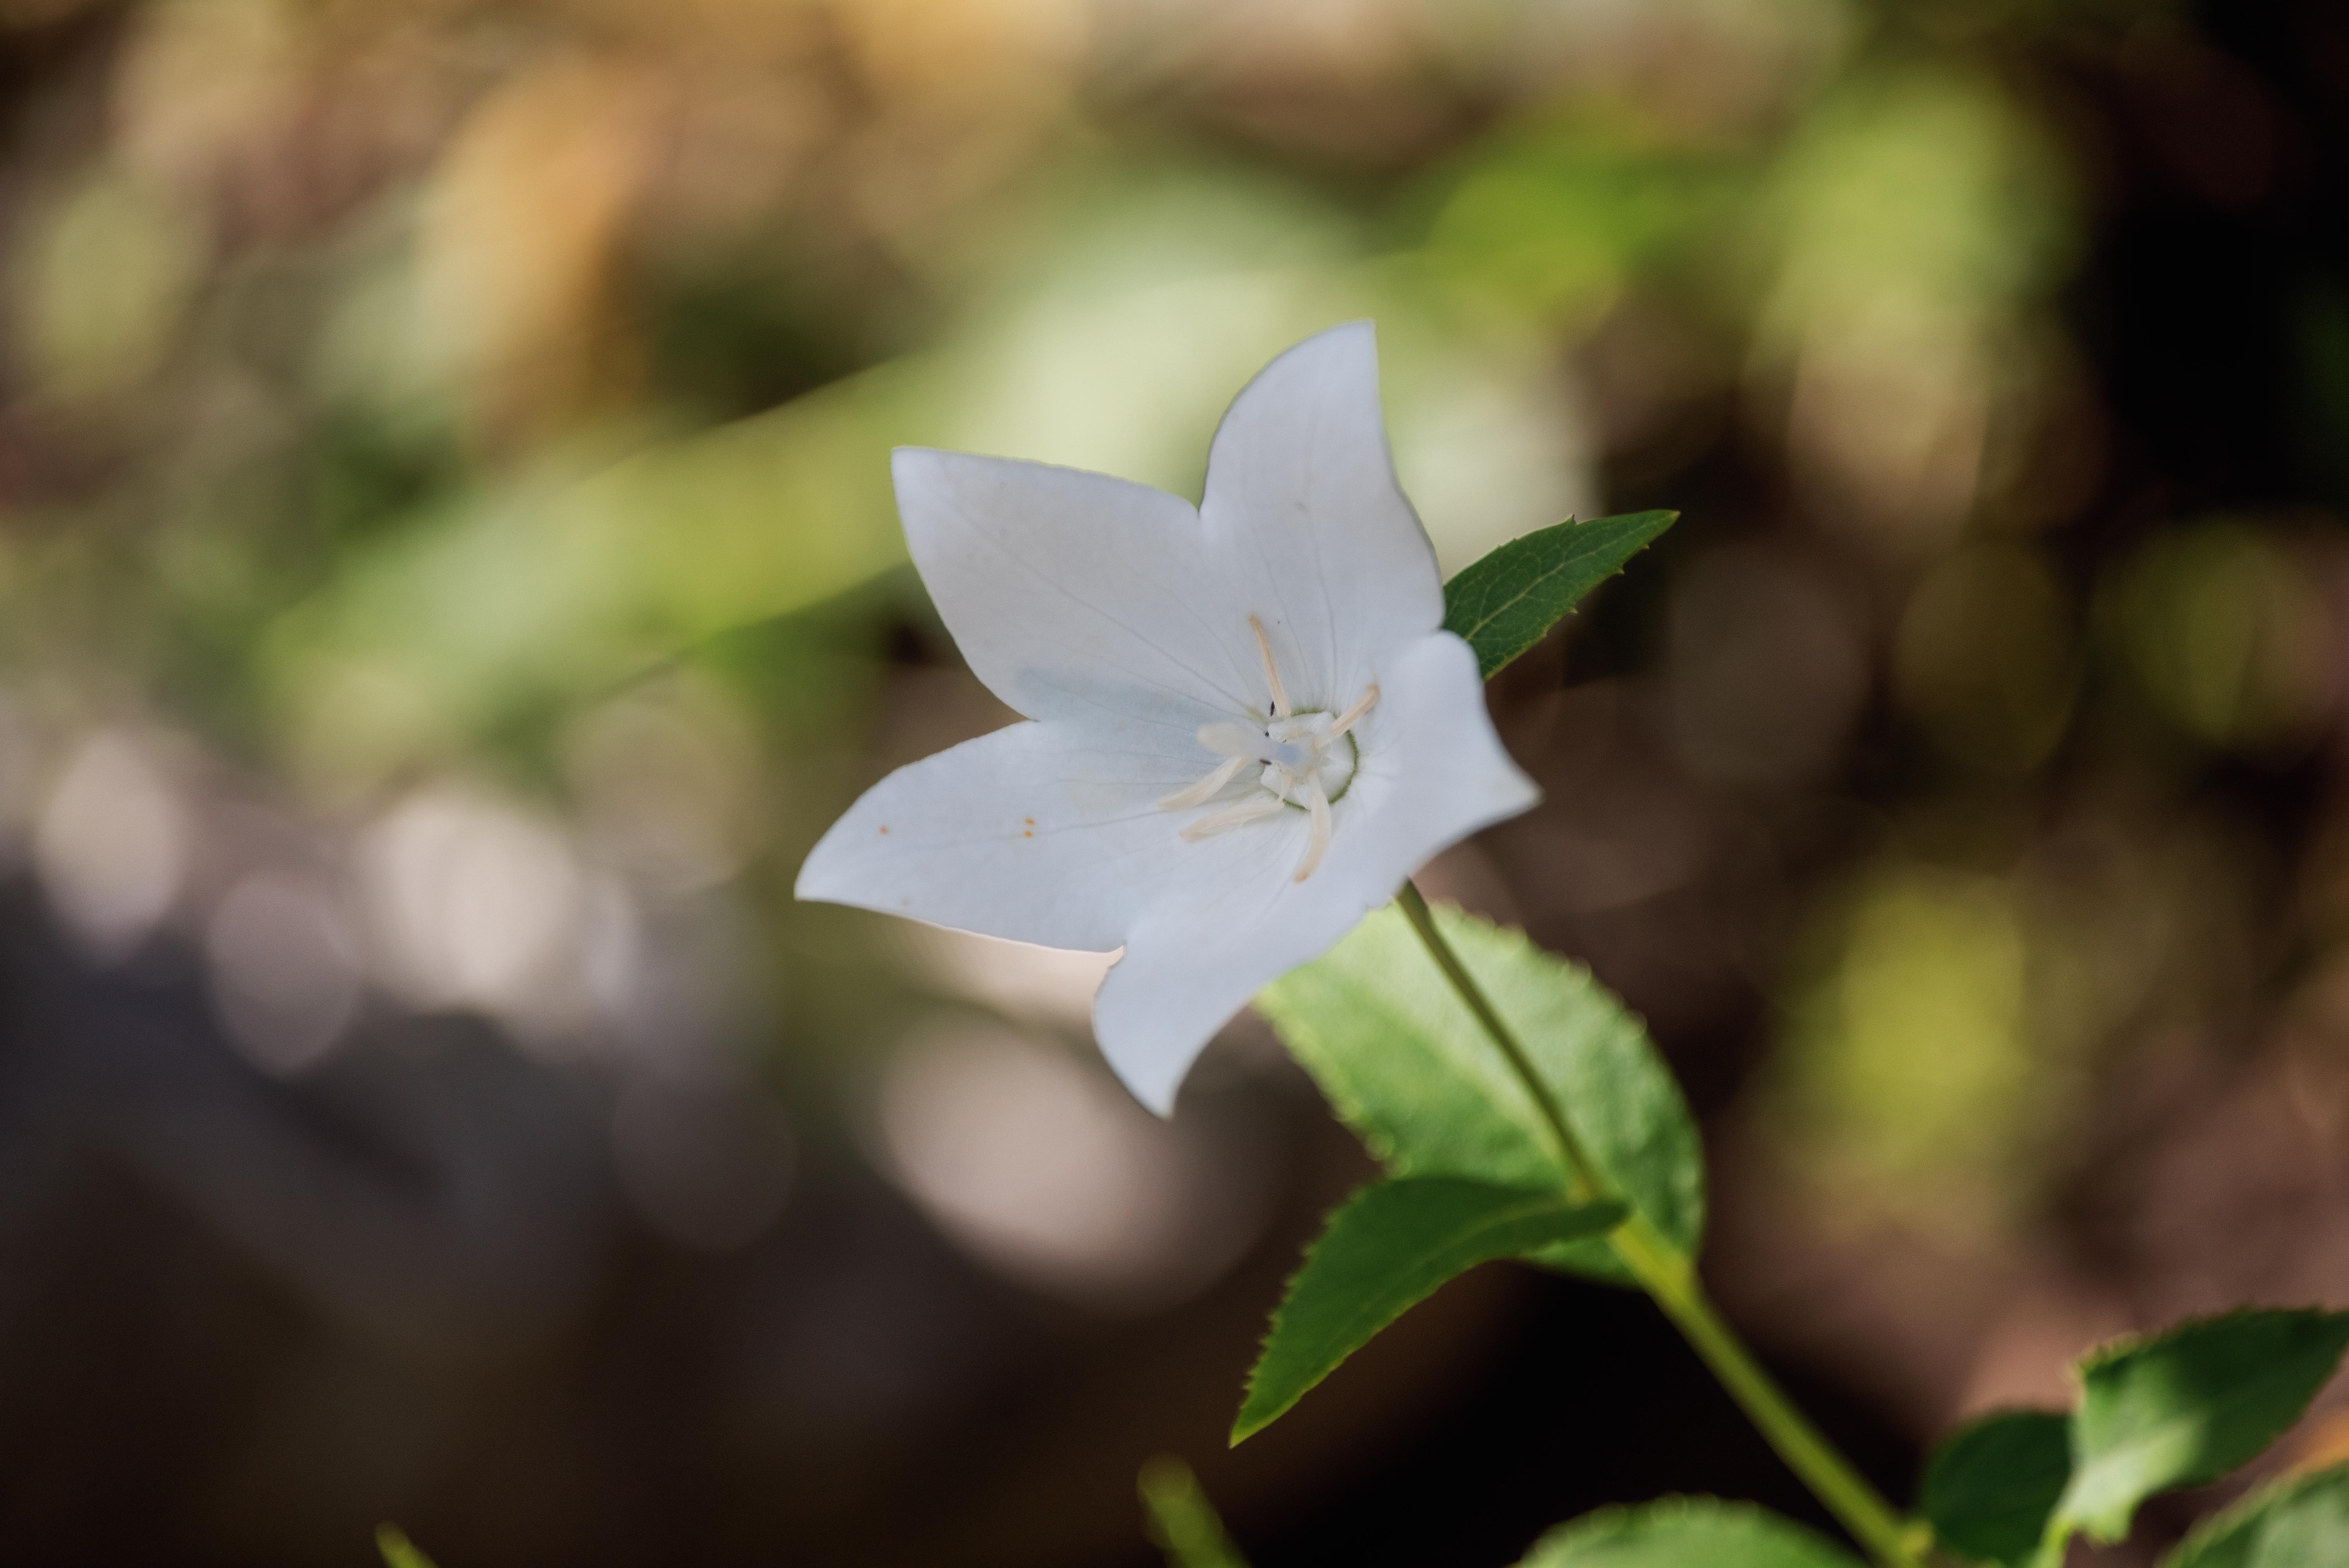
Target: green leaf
<point>1685,1532</point>
<point>397,1550</point>
<point>1183,1522</point>
<point>1503,603</point>
<point>1407,1067</point>
<point>1384,1253</point>
<point>1992,1485</point>
<point>2188,1406</point>
<point>2293,1524</point>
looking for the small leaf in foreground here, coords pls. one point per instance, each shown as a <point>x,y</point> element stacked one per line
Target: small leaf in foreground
<point>397,1550</point>
<point>1685,1532</point>
<point>2188,1406</point>
<point>1992,1485</point>
<point>1407,1067</point>
<point>2295,1523</point>
<point>1384,1253</point>
<point>1183,1522</point>
<point>1503,603</point>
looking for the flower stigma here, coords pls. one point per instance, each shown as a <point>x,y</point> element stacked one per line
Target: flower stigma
<point>1304,761</point>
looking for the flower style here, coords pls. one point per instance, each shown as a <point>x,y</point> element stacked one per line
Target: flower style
<point>1246,725</point>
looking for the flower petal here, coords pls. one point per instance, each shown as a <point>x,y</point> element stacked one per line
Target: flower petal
<point>1301,500</point>
<point>1075,595</point>
<point>1047,833</point>
<point>1433,771</point>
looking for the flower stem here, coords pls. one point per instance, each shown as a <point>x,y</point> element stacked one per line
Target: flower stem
<point>1584,1180</point>
<point>1669,1276</point>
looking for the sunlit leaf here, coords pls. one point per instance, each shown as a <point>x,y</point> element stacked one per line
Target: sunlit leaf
<point>1992,1485</point>
<point>2188,1406</point>
<point>552,584</point>
<point>1503,603</point>
<point>1685,1532</point>
<point>1386,1251</point>
<point>397,1550</point>
<point>1181,1520</point>
<point>2293,1524</point>
<point>1407,1067</point>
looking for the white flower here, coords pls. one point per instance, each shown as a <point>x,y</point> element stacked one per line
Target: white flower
<point>1247,726</point>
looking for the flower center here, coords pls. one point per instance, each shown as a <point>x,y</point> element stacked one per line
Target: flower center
<point>1301,760</point>
<point>1303,746</point>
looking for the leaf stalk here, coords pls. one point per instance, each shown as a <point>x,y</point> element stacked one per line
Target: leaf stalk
<point>1670,1278</point>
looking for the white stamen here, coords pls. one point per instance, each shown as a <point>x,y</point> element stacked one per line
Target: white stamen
<point>1296,752</point>
<point>1348,719</point>
<point>1200,793</point>
<point>1317,801</point>
<point>1255,809</point>
<point>1271,676</point>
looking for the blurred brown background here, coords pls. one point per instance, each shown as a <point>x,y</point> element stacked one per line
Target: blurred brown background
<point>448,578</point>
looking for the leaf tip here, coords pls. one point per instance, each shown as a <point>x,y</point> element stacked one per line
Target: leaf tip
<point>1255,1414</point>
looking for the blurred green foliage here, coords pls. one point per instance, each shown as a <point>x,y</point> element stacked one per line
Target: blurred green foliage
<point>1181,1520</point>
<point>393,399</point>
<point>445,446</point>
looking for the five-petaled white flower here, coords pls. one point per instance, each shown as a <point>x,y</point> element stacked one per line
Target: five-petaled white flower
<point>1247,728</point>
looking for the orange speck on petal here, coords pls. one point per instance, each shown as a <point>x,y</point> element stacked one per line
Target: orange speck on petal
<point>885,830</point>
<point>1030,820</point>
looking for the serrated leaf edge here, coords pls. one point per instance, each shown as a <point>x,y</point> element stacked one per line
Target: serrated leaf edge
<point>1468,635</point>
<point>1350,1108</point>
<point>1536,1198</point>
<point>2249,1505</point>
<point>2124,1345</point>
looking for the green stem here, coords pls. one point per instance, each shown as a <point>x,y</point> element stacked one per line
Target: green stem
<point>1584,1180</point>
<point>1669,1279</point>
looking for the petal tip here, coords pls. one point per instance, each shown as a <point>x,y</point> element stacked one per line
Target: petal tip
<point>1520,796</point>
<point>1356,337</point>
<point>906,463</point>
<point>815,882</point>
<point>1150,1050</point>
<point>831,872</point>
<point>1360,326</point>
